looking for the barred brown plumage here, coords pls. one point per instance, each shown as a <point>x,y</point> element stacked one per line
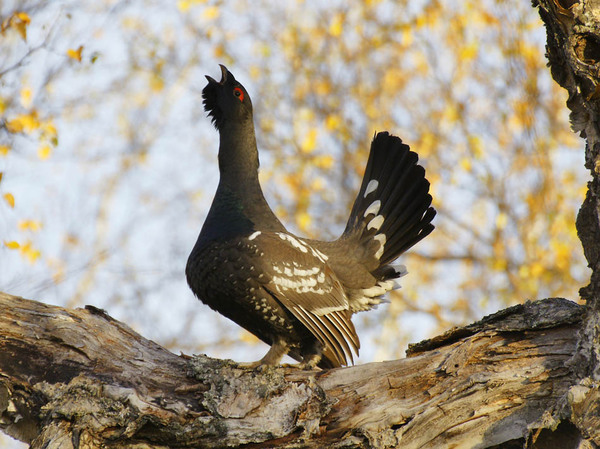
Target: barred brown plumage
<point>295,294</point>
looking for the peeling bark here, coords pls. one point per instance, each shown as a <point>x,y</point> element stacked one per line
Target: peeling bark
<point>78,378</point>
<point>573,51</point>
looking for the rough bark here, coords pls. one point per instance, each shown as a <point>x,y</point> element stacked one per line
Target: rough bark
<point>573,51</point>
<point>78,378</point>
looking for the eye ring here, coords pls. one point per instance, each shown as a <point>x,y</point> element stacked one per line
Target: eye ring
<point>239,93</point>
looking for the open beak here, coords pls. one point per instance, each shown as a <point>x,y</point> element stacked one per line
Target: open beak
<point>211,80</point>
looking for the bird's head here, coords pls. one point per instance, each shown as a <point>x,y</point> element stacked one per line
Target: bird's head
<point>226,100</point>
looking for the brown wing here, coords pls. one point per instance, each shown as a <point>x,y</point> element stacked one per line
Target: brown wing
<point>300,279</point>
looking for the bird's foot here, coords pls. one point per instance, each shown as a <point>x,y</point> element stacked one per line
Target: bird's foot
<point>272,358</point>
<point>310,361</point>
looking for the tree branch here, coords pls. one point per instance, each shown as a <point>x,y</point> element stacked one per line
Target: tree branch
<point>69,377</point>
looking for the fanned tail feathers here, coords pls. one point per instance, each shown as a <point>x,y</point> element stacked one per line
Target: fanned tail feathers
<point>393,206</point>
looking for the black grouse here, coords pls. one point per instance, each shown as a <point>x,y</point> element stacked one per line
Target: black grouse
<point>298,295</point>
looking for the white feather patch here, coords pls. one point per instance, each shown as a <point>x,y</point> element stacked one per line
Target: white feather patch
<point>298,244</point>
<point>381,238</point>
<point>373,208</point>
<point>371,187</point>
<point>301,272</point>
<point>379,289</point>
<point>320,311</point>
<point>254,235</point>
<point>375,223</point>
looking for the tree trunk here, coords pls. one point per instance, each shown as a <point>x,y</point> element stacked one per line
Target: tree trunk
<point>78,378</point>
<point>573,51</point>
<point>527,376</point>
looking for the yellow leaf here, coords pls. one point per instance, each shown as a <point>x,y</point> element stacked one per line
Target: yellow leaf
<point>317,184</point>
<point>468,52</point>
<point>12,244</point>
<point>211,12</point>
<point>33,255</point>
<point>157,83</point>
<point>451,113</point>
<point>44,151</point>
<point>75,54</point>
<point>333,122</point>
<point>427,143</point>
<point>322,87</point>
<point>28,251</point>
<point>49,129</point>
<point>407,36</point>
<point>254,72</point>
<point>336,26</point>
<point>19,21</point>
<point>31,225</point>
<point>219,51</point>
<point>23,123</point>
<point>524,271</point>
<point>4,149</point>
<point>26,97</point>
<point>499,264</point>
<point>15,125</point>
<point>248,338</point>
<point>536,269</point>
<point>393,80</point>
<point>10,199</point>
<point>476,146</point>
<point>562,253</point>
<point>309,143</point>
<point>306,114</point>
<point>421,21</point>
<point>303,219</point>
<point>324,161</point>
<point>501,220</point>
<point>184,5</point>
<point>23,17</point>
<point>465,163</point>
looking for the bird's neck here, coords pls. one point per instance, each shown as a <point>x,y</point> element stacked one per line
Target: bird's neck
<point>238,155</point>
<point>239,188</point>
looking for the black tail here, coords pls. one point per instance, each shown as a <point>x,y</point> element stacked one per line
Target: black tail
<point>393,205</point>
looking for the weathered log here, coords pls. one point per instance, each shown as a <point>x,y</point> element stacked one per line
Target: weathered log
<point>78,378</point>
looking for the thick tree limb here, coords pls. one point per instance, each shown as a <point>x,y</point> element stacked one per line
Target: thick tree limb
<point>78,378</point>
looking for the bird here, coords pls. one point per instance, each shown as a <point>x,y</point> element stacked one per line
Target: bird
<point>296,294</point>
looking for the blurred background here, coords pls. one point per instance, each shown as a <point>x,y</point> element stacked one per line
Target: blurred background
<point>108,163</point>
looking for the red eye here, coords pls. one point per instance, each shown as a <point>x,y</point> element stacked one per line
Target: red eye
<point>239,93</point>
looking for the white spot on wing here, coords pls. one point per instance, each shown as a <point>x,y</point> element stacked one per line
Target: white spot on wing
<point>301,272</point>
<point>380,288</point>
<point>371,187</point>
<point>375,223</point>
<point>381,239</point>
<point>373,208</point>
<point>325,310</point>
<point>254,235</point>
<point>318,254</point>
<point>298,244</point>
